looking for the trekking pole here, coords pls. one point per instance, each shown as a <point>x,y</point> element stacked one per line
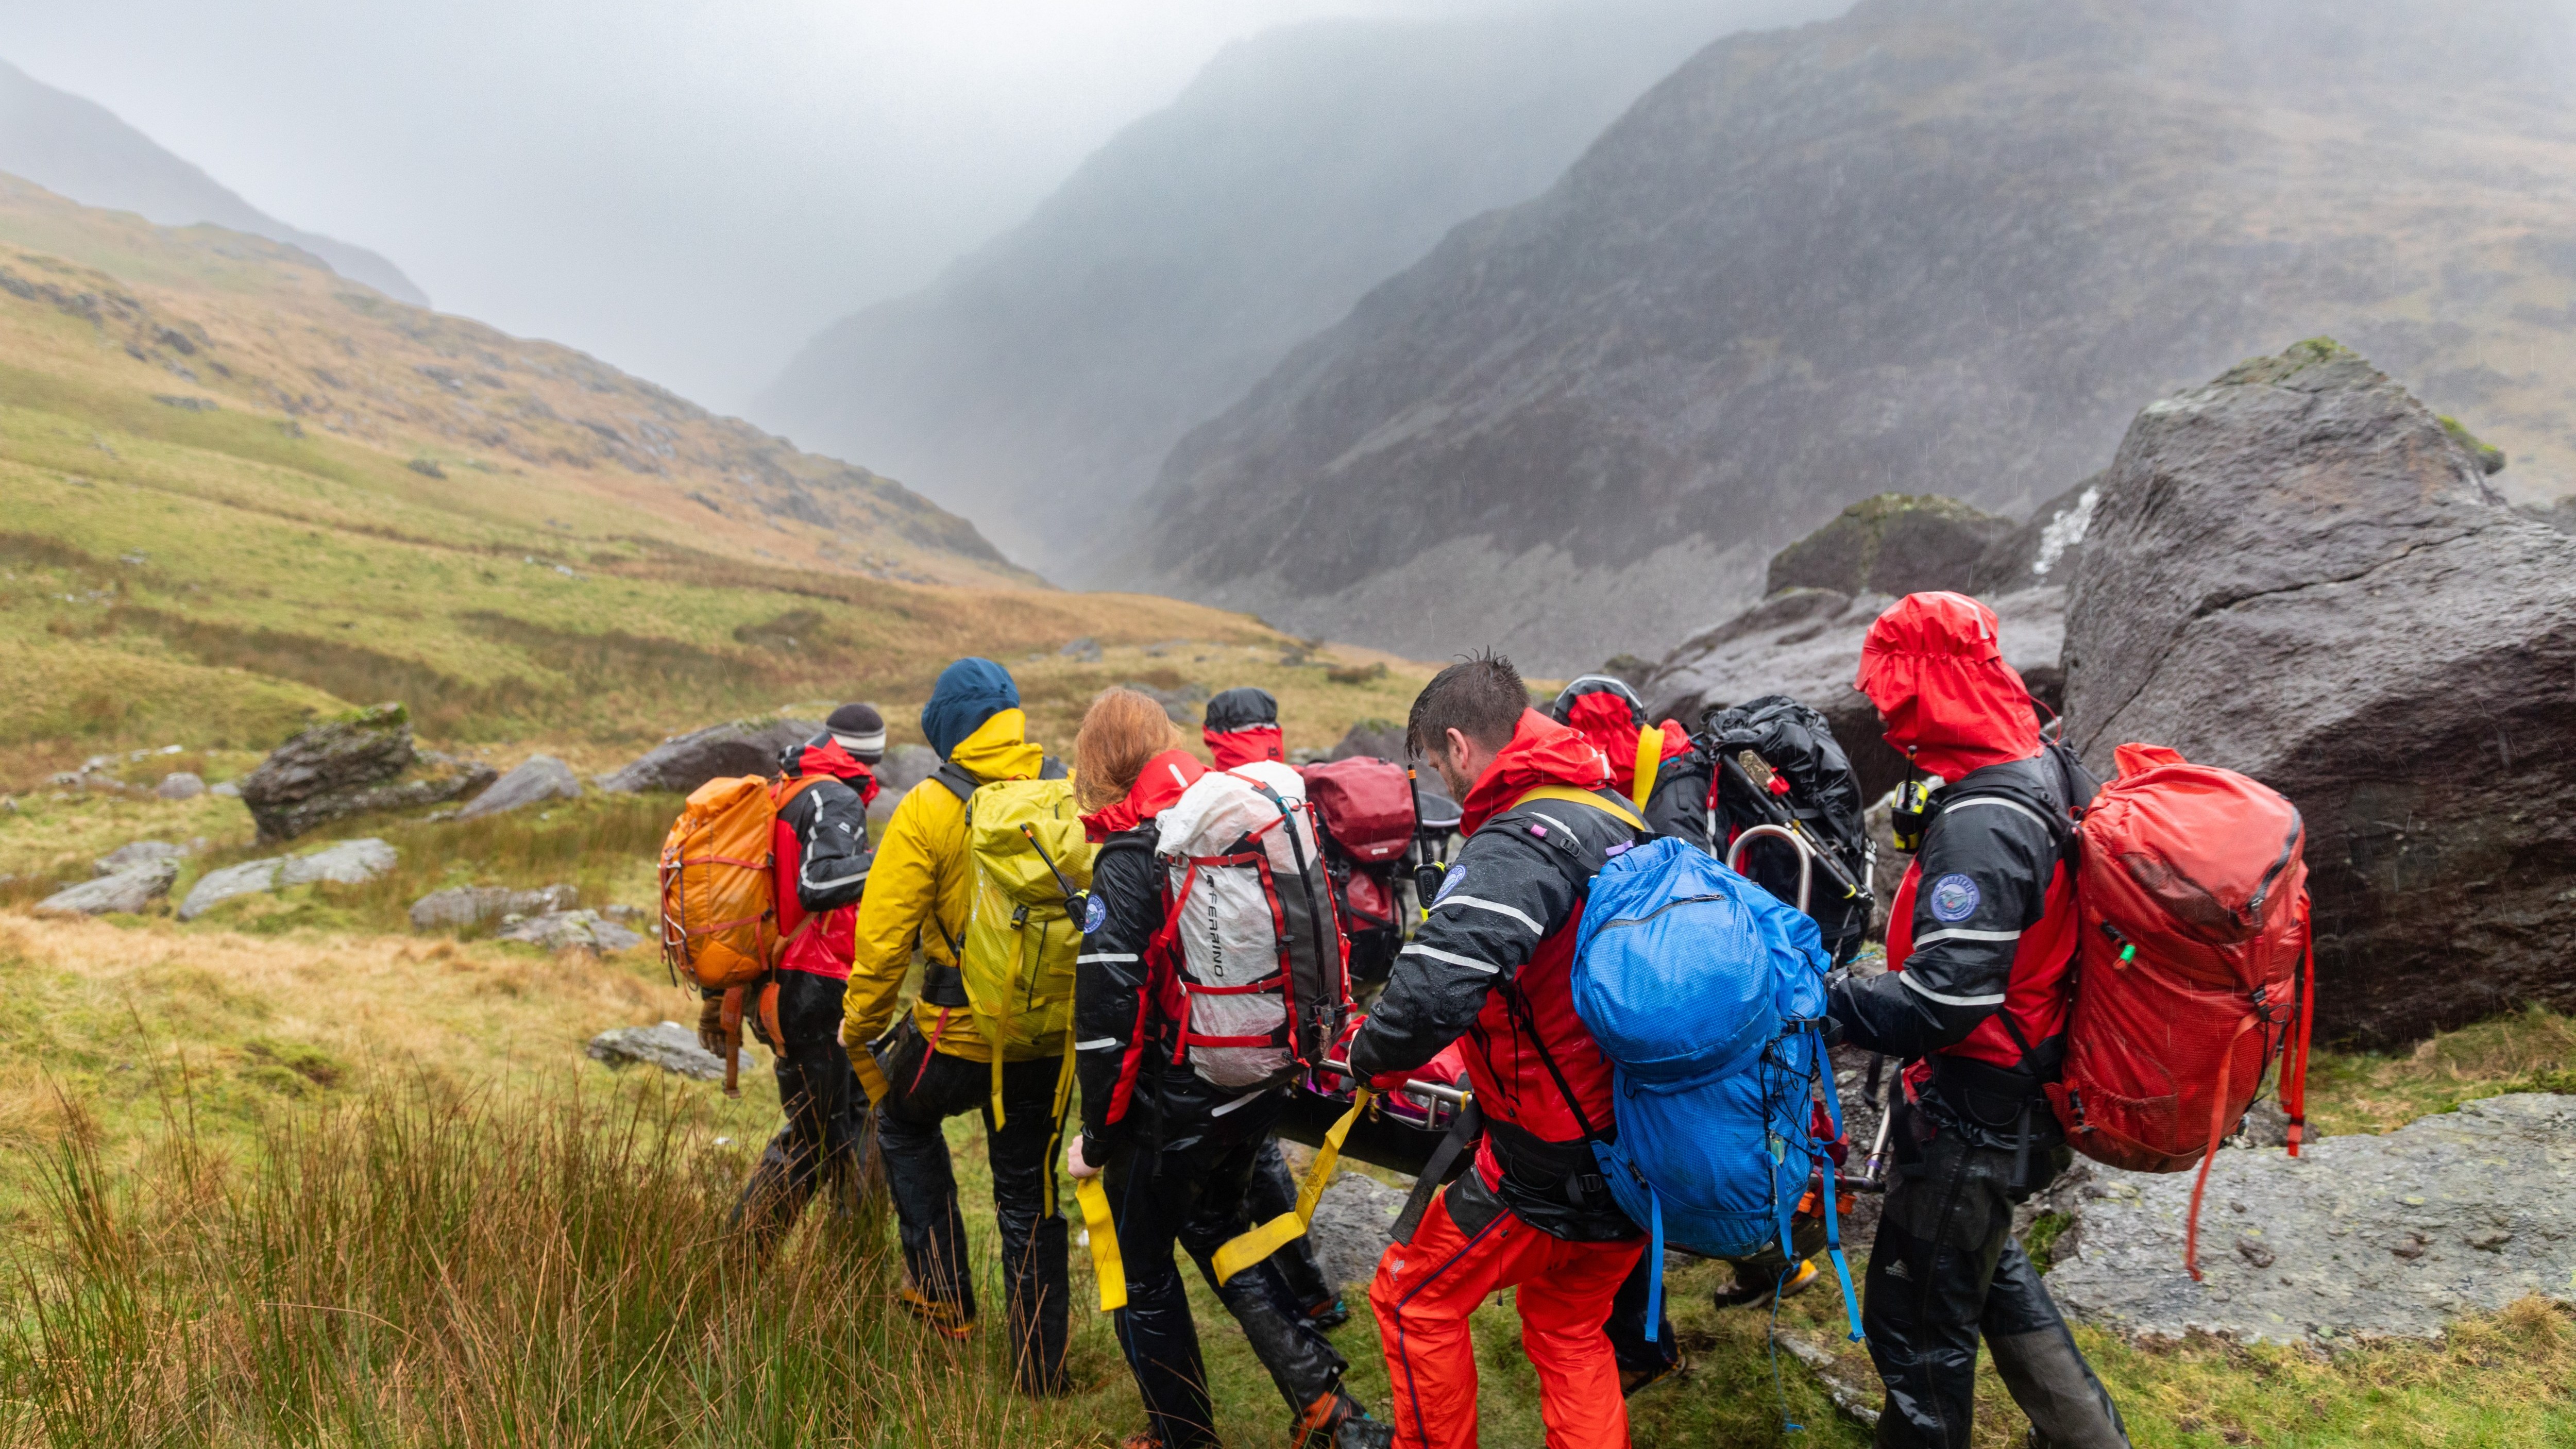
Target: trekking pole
<point>1071,896</point>
<point>1874,1172</point>
<point>1806,856</point>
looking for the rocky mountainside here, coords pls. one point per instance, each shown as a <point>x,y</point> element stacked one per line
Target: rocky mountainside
<point>1934,246</point>
<point>1038,385</point>
<point>80,149</point>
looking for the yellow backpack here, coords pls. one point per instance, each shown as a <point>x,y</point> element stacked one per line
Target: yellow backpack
<point>1032,865</point>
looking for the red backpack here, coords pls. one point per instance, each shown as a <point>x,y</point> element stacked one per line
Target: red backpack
<point>2193,971</point>
<point>1366,806</point>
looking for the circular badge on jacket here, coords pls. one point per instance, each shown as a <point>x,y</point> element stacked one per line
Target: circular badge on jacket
<point>1095,914</point>
<point>1954,899</point>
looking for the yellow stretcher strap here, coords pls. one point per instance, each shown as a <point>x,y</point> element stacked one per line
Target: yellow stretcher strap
<point>1288,1227</point>
<point>1650,760</point>
<point>1105,1263</point>
<point>1063,1100</point>
<point>1573,796</point>
<point>872,1078</point>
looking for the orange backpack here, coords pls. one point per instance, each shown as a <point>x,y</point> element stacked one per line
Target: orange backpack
<point>720,899</point>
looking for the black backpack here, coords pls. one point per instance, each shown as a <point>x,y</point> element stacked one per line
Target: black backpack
<point>1791,743</point>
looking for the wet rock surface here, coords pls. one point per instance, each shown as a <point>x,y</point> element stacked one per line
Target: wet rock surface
<point>347,862</point>
<point>1350,1229</point>
<point>459,907</point>
<point>251,877</point>
<point>570,931</point>
<point>903,767</point>
<point>684,762</point>
<point>1894,544</point>
<point>2299,572</point>
<point>346,767</point>
<point>142,852</point>
<point>670,1046</point>
<point>2358,1237</point>
<point>128,890</point>
<point>539,778</point>
<point>180,785</point>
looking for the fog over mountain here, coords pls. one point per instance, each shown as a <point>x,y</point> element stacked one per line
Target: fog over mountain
<point>1935,245</point>
<point>79,149</point>
<point>1040,382</point>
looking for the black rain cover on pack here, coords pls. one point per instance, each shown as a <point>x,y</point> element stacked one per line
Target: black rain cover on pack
<point>1824,795</point>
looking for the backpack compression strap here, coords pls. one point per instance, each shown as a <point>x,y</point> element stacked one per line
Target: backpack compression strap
<point>1106,1265</point>
<point>1572,796</point>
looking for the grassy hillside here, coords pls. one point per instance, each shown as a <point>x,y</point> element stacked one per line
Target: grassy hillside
<point>237,491</point>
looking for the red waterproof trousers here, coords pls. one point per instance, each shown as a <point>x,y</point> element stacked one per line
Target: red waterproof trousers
<point>1425,1289</point>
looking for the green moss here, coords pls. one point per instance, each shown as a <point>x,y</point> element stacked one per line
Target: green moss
<point>2041,1241</point>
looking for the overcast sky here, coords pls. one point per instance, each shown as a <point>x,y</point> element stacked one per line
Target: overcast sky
<point>687,188</point>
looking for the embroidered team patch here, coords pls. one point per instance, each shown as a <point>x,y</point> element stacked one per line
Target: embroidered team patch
<point>1954,899</point>
<point>1449,881</point>
<point>1095,914</point>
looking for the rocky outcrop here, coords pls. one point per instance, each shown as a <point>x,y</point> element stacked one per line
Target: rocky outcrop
<point>570,931</point>
<point>128,890</point>
<point>2045,550</point>
<point>540,777</point>
<point>903,767</point>
<point>2300,573</point>
<point>142,852</point>
<point>1376,738</point>
<point>2357,1237</point>
<point>366,762</point>
<point>684,762</point>
<point>670,1046</point>
<point>347,862</point>
<point>463,907</point>
<point>180,785</point>
<point>1893,544</point>
<point>1805,643</point>
<point>1351,1229</point>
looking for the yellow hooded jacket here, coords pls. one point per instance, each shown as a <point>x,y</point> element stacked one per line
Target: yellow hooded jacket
<point>921,892</point>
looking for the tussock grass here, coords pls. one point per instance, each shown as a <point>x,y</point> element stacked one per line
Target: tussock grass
<point>428,1266</point>
<point>2533,1050</point>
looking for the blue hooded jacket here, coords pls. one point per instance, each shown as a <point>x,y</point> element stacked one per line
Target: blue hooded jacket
<point>968,693</point>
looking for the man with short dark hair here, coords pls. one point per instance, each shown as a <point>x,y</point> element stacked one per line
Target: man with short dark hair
<point>1491,964</point>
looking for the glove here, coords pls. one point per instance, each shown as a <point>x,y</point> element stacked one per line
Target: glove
<point>711,1026</point>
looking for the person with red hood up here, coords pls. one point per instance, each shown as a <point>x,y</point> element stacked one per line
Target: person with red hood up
<point>821,859</point>
<point>1979,941</point>
<point>1490,968</point>
<point>1655,766</point>
<point>1241,726</point>
<point>1176,1153</point>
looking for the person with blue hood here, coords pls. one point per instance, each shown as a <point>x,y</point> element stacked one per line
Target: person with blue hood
<point>935,1062</point>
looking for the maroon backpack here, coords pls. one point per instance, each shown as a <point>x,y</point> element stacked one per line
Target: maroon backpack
<point>1366,806</point>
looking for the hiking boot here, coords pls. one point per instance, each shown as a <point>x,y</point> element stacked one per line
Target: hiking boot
<point>1753,1289</point>
<point>1336,1421</point>
<point>1631,1380</point>
<point>944,1319</point>
<point>1326,1316</point>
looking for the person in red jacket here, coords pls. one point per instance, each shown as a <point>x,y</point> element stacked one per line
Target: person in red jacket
<point>1242,725</point>
<point>820,854</point>
<point>1980,939</point>
<point>1490,965</point>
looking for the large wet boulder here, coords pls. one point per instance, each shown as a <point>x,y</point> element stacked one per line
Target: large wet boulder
<point>2300,572</point>
<point>570,931</point>
<point>540,778</point>
<point>684,762</point>
<point>670,1046</point>
<point>346,862</point>
<point>2357,1237</point>
<point>1893,544</point>
<point>364,762</point>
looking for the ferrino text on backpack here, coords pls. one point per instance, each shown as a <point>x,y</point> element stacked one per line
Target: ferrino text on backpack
<point>1250,963</point>
<point>1707,995</point>
<point>2195,971</point>
<point>1776,762</point>
<point>720,900</point>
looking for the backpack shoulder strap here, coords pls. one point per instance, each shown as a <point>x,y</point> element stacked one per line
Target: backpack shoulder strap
<point>1571,796</point>
<point>954,777</point>
<point>1650,760</point>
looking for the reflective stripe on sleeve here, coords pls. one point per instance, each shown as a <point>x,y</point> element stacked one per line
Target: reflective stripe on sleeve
<point>1497,907</point>
<point>1961,934</point>
<point>1103,957</point>
<point>1436,954</point>
<point>1928,994</point>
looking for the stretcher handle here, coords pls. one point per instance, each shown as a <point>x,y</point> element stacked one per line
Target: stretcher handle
<point>1806,856</point>
<point>1424,1092</point>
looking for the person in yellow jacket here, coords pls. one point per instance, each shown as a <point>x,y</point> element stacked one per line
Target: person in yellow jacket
<point>936,1063</point>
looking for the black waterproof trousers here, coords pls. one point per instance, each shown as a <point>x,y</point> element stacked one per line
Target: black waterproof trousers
<point>1945,1272</point>
<point>1272,1191</point>
<point>825,1142</point>
<point>925,1088</point>
<point>1191,1193</point>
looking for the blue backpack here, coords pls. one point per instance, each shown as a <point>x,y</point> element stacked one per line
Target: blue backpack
<point>1707,995</point>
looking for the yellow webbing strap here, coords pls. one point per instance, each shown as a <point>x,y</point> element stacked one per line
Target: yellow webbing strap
<point>1288,1227</point>
<point>1650,760</point>
<point>1105,1262</point>
<point>1581,797</point>
<point>1063,1100</point>
<point>872,1078</point>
